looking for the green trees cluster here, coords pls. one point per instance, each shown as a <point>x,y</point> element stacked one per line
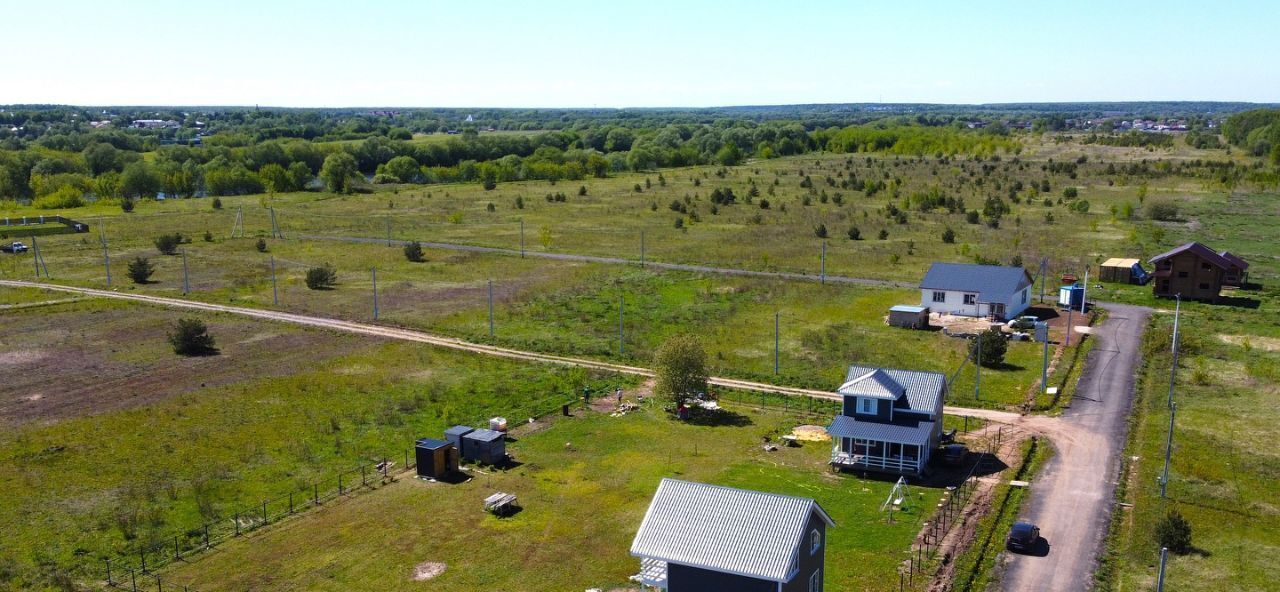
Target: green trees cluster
<point>1257,131</point>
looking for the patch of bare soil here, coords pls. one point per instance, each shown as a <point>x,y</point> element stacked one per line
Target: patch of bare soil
<point>811,433</point>
<point>1254,341</point>
<point>608,403</point>
<point>1006,443</point>
<point>425,571</point>
<point>64,364</point>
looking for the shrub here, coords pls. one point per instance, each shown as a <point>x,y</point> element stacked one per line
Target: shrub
<point>413,252</point>
<point>820,231</point>
<point>217,203</point>
<point>993,347</point>
<point>261,245</point>
<point>1174,532</point>
<point>1070,193</point>
<point>167,244</point>
<point>140,270</point>
<point>582,189</point>
<point>208,236</point>
<point>65,197</point>
<point>191,338</point>
<point>322,278</point>
<point>491,207</point>
<point>854,233</point>
<point>971,216</point>
<point>126,205</point>
<point>489,183</point>
<point>679,223</point>
<point>884,234</point>
<point>948,236</point>
<point>1165,211</point>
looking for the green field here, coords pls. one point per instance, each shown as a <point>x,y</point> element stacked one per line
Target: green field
<point>586,500</point>
<point>1224,470</point>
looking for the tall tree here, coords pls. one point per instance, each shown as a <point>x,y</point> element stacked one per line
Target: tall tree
<point>681,368</point>
<point>338,171</point>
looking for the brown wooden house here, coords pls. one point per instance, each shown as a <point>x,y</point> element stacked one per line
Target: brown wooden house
<point>1238,273</point>
<point>1193,271</point>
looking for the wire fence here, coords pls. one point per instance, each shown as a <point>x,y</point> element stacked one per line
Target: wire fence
<point>138,569</point>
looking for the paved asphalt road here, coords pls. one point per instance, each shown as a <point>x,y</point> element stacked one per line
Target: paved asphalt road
<point>1072,498</point>
<point>785,275</point>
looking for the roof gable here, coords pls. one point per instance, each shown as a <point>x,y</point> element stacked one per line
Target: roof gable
<point>992,283</point>
<point>1234,260</point>
<point>737,531</point>
<point>924,390</point>
<point>1208,255</point>
<point>876,384</point>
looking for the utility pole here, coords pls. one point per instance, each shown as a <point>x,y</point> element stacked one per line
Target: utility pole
<point>777,316</point>
<point>642,248</point>
<point>275,292</point>
<point>1164,559</point>
<point>1044,364</point>
<point>490,308</point>
<point>522,238</point>
<point>375,293</point>
<point>823,279</point>
<point>106,257</point>
<point>622,342</point>
<point>977,380</point>
<point>388,232</point>
<point>1070,310</point>
<point>1044,271</point>
<point>1084,295</point>
<point>186,278</point>
<point>1168,451</point>
<point>1173,370</point>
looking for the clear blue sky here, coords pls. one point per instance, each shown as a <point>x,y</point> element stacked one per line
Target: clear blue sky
<point>619,53</point>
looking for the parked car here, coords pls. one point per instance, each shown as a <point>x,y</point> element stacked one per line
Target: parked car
<point>1022,537</point>
<point>953,455</point>
<point>1023,323</point>
<point>15,247</point>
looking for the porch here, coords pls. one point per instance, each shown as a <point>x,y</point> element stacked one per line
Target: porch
<point>886,447</point>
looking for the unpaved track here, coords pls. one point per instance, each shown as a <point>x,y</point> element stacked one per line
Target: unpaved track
<point>1071,499</point>
<point>781,275</point>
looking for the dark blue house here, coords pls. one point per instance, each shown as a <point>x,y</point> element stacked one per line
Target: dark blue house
<point>891,420</point>
<point>706,538</point>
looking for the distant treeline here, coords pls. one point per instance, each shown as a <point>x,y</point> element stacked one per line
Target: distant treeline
<point>1257,131</point>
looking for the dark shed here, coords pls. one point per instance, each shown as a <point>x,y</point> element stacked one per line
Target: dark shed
<point>485,446</point>
<point>454,436</point>
<point>436,458</point>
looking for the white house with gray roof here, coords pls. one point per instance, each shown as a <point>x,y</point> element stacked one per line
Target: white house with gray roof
<point>707,538</point>
<point>891,420</point>
<point>992,291</point>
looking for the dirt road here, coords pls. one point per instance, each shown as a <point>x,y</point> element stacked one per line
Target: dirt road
<point>1071,499</point>
<point>782,275</point>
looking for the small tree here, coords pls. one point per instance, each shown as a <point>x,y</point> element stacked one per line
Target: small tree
<point>948,236</point>
<point>854,233</point>
<point>261,245</point>
<point>820,231</point>
<point>1174,532</point>
<point>140,270</point>
<point>993,347</point>
<point>217,203</point>
<point>1166,211</point>
<point>191,338</point>
<point>681,369</point>
<point>322,278</point>
<point>126,205</point>
<point>208,236</point>
<point>884,234</point>
<point>167,244</point>
<point>413,252</point>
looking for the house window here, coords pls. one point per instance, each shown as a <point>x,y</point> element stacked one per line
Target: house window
<point>1024,296</point>
<point>815,581</point>
<point>867,406</point>
<point>970,298</point>
<point>815,541</point>
<point>1204,286</point>
<point>1182,274</point>
<point>1205,266</point>
<point>939,296</point>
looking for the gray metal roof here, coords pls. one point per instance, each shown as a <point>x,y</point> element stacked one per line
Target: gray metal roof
<point>737,531</point>
<point>483,435</point>
<point>459,430</point>
<point>875,384</point>
<point>432,443</point>
<point>908,308</point>
<point>992,283</point>
<point>844,426</point>
<point>924,390</point>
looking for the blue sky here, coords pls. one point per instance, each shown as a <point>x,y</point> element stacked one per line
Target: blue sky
<point>568,53</point>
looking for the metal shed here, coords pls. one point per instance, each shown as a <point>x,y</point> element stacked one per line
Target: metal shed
<point>484,446</point>
<point>1071,296</point>
<point>436,459</point>
<point>454,436</point>
<point>909,316</point>
<point>1124,271</point>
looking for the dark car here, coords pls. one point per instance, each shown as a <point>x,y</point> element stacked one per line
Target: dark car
<point>953,454</point>
<point>1023,537</point>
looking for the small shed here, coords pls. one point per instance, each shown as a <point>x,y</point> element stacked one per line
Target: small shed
<point>484,446</point>
<point>909,316</point>
<point>1071,296</point>
<point>436,459</point>
<point>1123,271</point>
<point>454,436</point>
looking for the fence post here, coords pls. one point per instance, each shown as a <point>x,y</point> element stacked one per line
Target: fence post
<point>142,553</point>
<point>339,484</point>
<point>159,585</point>
<point>177,551</point>
<point>206,536</point>
<point>385,465</point>
<point>264,512</point>
<point>133,580</point>
<point>315,493</point>
<point>290,502</point>
<point>236,521</point>
<point>109,582</point>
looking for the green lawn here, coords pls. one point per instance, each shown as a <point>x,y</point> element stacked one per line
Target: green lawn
<point>582,506</point>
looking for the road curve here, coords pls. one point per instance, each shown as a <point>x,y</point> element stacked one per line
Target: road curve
<point>1072,497</point>
<point>781,275</point>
